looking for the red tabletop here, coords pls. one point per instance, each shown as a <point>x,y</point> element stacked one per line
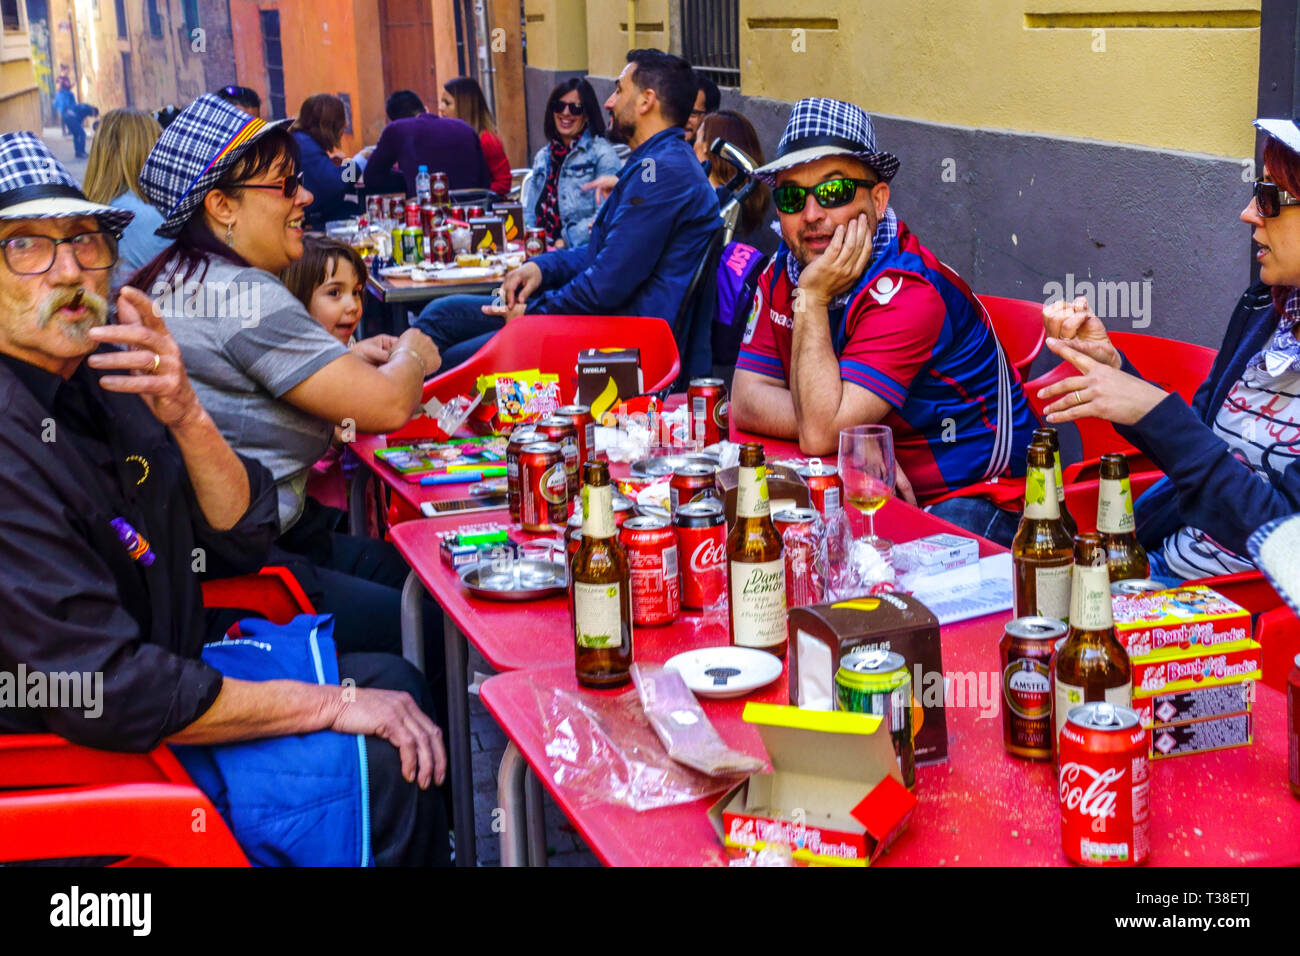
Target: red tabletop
<point>407,495</point>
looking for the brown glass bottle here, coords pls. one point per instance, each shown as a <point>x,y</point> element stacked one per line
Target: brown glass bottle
<point>600,591</point>
<point>1048,436</point>
<point>755,566</point>
<point>1124,556</point>
<point>1092,664</point>
<point>1041,552</point>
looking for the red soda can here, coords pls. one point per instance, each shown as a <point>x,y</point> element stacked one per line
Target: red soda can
<point>428,218</point>
<point>518,439</point>
<point>702,543</point>
<point>561,430</point>
<point>1104,786</point>
<point>707,398</point>
<point>543,487</point>
<point>534,242</point>
<point>651,548</point>
<point>800,529</point>
<point>585,425</point>
<point>413,214</point>
<point>692,483</point>
<point>440,248</point>
<point>825,487</point>
<point>475,212</point>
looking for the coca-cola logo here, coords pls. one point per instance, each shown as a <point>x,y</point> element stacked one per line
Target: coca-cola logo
<point>1089,791</point>
<point>708,556</point>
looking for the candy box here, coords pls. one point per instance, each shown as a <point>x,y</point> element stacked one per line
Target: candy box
<point>834,795</point>
<point>1200,736</point>
<point>1186,617</point>
<point>1217,700</point>
<point>512,219</point>
<point>607,377</point>
<point>1175,669</point>
<point>487,234</point>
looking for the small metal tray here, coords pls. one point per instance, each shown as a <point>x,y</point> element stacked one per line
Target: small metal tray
<point>528,579</point>
<point>663,466</point>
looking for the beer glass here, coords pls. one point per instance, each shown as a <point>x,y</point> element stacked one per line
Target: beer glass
<point>867,468</point>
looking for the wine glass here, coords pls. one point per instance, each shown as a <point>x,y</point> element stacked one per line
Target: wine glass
<point>866,464</point>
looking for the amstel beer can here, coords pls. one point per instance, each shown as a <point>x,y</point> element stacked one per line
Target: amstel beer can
<point>561,430</point>
<point>1105,786</point>
<point>877,682</point>
<point>534,243</point>
<point>651,548</point>
<point>1026,646</point>
<point>518,439</point>
<point>702,544</point>
<point>543,487</point>
<point>585,426</point>
<point>709,410</point>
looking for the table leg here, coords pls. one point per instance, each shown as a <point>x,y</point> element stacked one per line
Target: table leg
<point>462,770</point>
<point>357,498</point>
<point>413,593</point>
<point>512,798</point>
<point>535,812</point>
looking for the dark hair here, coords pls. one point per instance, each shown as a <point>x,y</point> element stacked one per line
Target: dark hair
<point>1284,169</point>
<point>739,132</point>
<point>320,255</point>
<point>241,96</point>
<point>167,114</point>
<point>403,104</point>
<point>323,118</point>
<point>712,95</point>
<point>190,252</point>
<point>590,108</point>
<point>471,104</point>
<point>670,77</point>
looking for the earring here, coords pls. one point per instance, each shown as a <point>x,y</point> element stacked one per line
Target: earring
<point>230,239</point>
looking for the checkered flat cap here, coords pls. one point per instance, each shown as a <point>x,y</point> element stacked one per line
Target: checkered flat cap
<point>821,127</point>
<point>192,155</point>
<point>35,185</point>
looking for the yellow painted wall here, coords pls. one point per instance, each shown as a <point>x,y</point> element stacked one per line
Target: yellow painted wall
<point>1180,74</point>
<point>607,40</point>
<point>20,101</point>
<point>557,33</point>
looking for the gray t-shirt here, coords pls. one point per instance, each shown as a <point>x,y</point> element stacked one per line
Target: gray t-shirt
<point>246,341</point>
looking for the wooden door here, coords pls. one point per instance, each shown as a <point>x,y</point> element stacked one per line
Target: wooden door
<point>406,40</point>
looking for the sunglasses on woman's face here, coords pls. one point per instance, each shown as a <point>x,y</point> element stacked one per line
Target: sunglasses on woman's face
<point>789,198</point>
<point>288,185</point>
<point>1269,199</point>
<point>573,109</point>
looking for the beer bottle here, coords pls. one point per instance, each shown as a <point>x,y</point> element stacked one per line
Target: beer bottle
<point>1124,556</point>
<point>600,595</point>
<point>1049,437</point>
<point>1041,553</point>
<point>755,566</point>
<point>1092,664</point>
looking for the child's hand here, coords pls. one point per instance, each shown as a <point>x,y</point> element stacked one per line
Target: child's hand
<point>375,349</point>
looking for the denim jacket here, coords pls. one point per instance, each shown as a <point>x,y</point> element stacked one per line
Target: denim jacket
<point>590,157</point>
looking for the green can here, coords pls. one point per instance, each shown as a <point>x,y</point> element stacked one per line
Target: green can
<point>412,246</point>
<point>877,682</point>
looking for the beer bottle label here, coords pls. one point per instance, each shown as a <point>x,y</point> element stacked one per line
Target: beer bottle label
<point>1060,482</point>
<point>758,603</point>
<point>1040,495</point>
<point>1071,695</point>
<point>1090,608</point>
<point>751,494</point>
<point>1052,588</point>
<point>1115,507</point>
<point>598,511</point>
<point>598,614</point>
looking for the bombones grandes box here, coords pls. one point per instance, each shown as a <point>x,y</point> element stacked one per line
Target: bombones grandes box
<point>821,634</point>
<point>1185,617</point>
<point>1175,669</point>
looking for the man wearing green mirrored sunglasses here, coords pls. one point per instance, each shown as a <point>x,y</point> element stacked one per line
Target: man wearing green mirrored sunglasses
<point>855,322</point>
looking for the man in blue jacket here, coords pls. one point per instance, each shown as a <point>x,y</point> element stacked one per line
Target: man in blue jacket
<point>648,237</point>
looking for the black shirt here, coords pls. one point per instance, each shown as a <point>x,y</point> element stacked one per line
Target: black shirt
<point>73,599</point>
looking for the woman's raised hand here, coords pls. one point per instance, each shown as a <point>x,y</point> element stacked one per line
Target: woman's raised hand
<point>1076,323</point>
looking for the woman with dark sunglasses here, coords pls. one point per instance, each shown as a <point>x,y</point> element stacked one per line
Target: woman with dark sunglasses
<point>1230,458</point>
<point>575,154</point>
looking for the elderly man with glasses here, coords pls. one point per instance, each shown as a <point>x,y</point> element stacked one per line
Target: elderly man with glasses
<point>855,322</point>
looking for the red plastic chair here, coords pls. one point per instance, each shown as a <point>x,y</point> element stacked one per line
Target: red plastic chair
<point>60,800</point>
<point>551,343</point>
<point>1081,497</point>
<point>1250,589</point>
<point>1279,633</point>
<point>1018,324</point>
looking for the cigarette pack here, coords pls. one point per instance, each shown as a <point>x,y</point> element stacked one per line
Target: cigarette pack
<point>1186,617</point>
<point>935,553</point>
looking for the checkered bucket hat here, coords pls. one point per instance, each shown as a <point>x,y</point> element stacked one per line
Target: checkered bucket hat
<point>34,185</point>
<point>821,127</point>
<point>192,155</point>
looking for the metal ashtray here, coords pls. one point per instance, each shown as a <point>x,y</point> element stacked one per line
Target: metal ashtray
<point>663,466</point>
<point>524,581</point>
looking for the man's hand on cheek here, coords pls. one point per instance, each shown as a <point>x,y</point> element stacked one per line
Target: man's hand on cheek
<point>839,266</point>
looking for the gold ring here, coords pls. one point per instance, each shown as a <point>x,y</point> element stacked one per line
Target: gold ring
<point>1077,399</point>
<point>157,360</point>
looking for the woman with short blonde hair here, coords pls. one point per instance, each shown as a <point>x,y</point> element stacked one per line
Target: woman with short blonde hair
<point>117,155</point>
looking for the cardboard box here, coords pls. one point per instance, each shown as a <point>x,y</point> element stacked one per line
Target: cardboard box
<point>1214,701</point>
<point>834,794</point>
<point>512,218</point>
<point>935,554</point>
<point>1166,672</point>
<point>1200,736</point>
<point>1185,617</point>
<point>487,234</point>
<point>821,634</point>
<point>607,377</point>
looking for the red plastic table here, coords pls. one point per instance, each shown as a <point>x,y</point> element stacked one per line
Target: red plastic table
<point>407,496</point>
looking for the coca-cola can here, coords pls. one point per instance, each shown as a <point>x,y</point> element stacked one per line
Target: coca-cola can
<point>534,243</point>
<point>800,531</point>
<point>584,425</point>
<point>518,439</point>
<point>702,543</point>
<point>692,483</point>
<point>709,410</point>
<point>561,430</point>
<point>825,487</point>
<point>651,548</point>
<point>1104,786</point>
<point>543,487</point>
<point>413,214</point>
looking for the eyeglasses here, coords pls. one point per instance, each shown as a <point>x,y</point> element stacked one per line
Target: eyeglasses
<point>789,198</point>
<point>573,109</point>
<point>1269,199</point>
<point>288,185</point>
<point>34,255</point>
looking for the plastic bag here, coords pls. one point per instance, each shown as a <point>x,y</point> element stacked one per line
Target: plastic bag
<point>603,749</point>
<point>685,731</point>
